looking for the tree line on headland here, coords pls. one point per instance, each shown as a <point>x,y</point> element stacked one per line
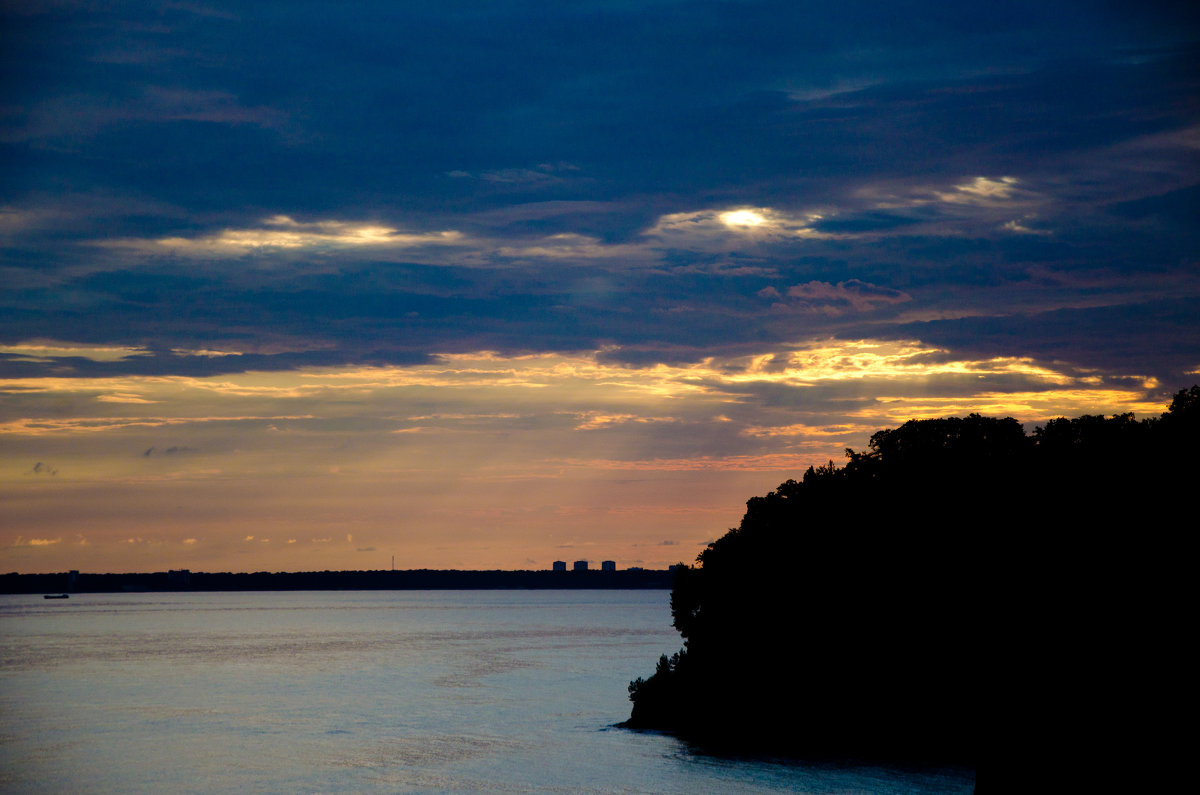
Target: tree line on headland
<point>961,591</point>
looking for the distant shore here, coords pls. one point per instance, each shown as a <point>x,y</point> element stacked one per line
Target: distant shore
<point>404,580</point>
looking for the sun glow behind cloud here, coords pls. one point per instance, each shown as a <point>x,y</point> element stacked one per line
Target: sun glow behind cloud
<point>737,218</point>
<point>974,206</point>
<point>701,229</point>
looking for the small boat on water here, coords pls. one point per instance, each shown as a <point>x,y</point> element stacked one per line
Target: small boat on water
<point>56,596</point>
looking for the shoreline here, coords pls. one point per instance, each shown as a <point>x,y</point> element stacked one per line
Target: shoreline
<point>398,580</point>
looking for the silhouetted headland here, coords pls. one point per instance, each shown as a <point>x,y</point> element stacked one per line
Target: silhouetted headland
<point>960,592</point>
<point>413,579</point>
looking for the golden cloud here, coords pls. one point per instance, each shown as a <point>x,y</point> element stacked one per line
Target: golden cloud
<point>284,232</point>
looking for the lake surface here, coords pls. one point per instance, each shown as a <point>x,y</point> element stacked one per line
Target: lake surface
<point>366,691</point>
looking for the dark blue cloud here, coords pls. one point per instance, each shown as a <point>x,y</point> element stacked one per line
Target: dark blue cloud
<point>1157,339</point>
<point>513,123</point>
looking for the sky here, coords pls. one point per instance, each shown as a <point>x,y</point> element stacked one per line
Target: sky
<point>301,286</point>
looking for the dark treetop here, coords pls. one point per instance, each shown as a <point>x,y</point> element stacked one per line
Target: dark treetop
<point>960,592</point>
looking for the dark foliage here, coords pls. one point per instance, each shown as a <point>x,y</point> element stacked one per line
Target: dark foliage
<point>956,591</point>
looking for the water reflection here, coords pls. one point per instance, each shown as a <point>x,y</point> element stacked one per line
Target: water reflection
<point>361,692</point>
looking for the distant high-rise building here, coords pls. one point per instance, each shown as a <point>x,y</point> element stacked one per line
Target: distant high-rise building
<point>608,565</point>
<point>579,565</point>
<point>560,565</point>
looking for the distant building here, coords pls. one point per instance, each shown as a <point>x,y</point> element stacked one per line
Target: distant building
<point>608,565</point>
<point>579,565</point>
<point>635,568</point>
<point>560,565</point>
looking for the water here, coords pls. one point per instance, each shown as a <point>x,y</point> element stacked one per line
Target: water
<point>371,692</point>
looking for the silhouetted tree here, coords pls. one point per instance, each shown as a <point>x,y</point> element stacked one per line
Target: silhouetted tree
<point>955,575</point>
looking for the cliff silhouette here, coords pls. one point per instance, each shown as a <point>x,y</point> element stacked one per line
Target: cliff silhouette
<point>961,592</point>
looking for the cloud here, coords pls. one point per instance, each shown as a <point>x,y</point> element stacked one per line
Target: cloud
<point>38,426</point>
<point>282,233</point>
<point>527,419</point>
<point>36,542</point>
<point>172,450</point>
<point>595,420</point>
<point>543,175</point>
<point>1146,338</point>
<point>15,220</point>
<point>121,397</point>
<point>981,190</point>
<point>73,118</point>
<point>51,351</point>
<point>570,247</point>
<point>1019,227</point>
<point>737,227</point>
<point>62,358</point>
<point>848,296</point>
<point>910,207</point>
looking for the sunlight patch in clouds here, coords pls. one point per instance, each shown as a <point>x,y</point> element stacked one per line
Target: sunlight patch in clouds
<point>981,197</point>
<point>284,232</point>
<point>805,430</point>
<point>736,218</point>
<point>36,542</point>
<point>702,229</point>
<point>48,351</point>
<point>122,397</point>
<point>839,360</point>
<point>592,420</point>
<point>1029,406</point>
<point>487,390</point>
<point>204,352</point>
<point>473,445</point>
<point>979,190</point>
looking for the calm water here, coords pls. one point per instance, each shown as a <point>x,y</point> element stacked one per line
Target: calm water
<point>374,692</point>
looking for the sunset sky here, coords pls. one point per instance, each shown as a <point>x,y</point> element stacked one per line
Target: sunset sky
<point>302,286</point>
